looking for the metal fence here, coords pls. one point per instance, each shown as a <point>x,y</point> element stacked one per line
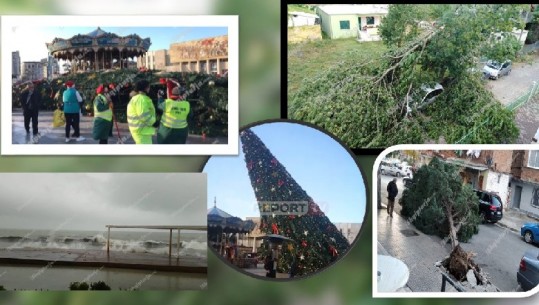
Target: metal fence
<point>513,106</point>
<point>525,98</point>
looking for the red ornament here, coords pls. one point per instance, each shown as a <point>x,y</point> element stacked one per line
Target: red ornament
<point>162,81</point>
<point>274,228</point>
<point>291,216</point>
<point>333,251</point>
<point>304,243</point>
<point>274,161</point>
<point>280,182</point>
<point>314,209</point>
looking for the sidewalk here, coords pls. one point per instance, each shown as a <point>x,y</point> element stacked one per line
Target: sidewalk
<point>514,219</point>
<point>420,252</point>
<point>261,272</point>
<point>50,135</point>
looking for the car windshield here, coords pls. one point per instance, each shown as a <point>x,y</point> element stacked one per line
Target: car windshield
<point>494,65</point>
<point>496,201</point>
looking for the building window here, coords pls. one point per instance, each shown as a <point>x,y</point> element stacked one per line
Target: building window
<point>345,25</point>
<point>533,159</point>
<point>370,20</point>
<point>213,66</point>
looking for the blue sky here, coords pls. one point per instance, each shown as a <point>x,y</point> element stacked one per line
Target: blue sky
<point>323,168</point>
<point>32,48</point>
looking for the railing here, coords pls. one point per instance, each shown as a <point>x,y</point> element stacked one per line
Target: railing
<point>513,106</point>
<point>448,279</point>
<point>525,98</point>
<point>170,228</point>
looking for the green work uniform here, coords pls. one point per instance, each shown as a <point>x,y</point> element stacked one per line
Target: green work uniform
<point>102,118</point>
<point>141,117</point>
<point>173,128</point>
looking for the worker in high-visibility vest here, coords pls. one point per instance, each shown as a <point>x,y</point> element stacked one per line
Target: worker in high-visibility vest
<point>102,115</point>
<point>174,127</point>
<point>141,114</point>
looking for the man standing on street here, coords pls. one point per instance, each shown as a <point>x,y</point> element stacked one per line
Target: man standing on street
<point>30,101</point>
<point>392,192</point>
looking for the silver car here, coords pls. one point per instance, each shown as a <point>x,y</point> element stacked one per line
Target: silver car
<point>495,70</point>
<point>528,270</point>
<point>423,97</point>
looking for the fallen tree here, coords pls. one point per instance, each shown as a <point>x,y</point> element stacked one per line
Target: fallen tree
<point>378,103</point>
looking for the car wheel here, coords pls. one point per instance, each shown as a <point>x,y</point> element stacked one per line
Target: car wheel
<point>528,237</point>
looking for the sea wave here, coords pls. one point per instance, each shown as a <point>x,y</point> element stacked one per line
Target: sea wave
<point>99,242</point>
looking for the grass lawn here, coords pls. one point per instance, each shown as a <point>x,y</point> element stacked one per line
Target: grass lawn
<point>308,59</point>
<point>299,8</point>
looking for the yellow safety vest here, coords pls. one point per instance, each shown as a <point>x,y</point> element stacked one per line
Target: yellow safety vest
<point>141,115</point>
<point>107,114</point>
<point>175,114</point>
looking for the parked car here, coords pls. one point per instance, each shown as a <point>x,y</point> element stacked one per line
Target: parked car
<point>528,270</point>
<point>490,206</point>
<point>395,168</point>
<point>530,232</point>
<point>494,69</point>
<point>407,182</point>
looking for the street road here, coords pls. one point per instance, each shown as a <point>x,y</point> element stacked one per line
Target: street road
<point>498,250</point>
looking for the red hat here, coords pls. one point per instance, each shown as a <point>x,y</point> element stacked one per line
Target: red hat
<point>100,89</point>
<point>70,83</point>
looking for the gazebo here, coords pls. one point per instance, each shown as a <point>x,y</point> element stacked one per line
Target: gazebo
<point>98,50</point>
<point>222,227</point>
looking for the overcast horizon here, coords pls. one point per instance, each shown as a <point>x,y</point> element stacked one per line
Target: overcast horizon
<point>89,201</point>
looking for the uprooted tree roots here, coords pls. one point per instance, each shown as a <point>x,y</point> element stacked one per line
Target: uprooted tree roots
<point>459,263</point>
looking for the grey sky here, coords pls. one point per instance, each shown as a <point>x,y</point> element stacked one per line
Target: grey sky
<point>89,201</point>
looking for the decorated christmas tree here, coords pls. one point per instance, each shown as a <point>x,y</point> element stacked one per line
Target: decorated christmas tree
<point>317,241</point>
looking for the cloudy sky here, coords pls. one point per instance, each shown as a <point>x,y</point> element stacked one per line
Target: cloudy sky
<point>89,201</point>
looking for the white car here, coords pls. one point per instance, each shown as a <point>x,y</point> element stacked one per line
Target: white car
<point>495,70</point>
<point>395,169</point>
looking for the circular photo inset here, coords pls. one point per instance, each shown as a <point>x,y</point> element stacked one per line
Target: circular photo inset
<point>289,205</point>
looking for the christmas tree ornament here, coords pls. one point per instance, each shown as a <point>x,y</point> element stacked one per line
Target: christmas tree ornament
<point>302,227</point>
<point>333,251</point>
<point>274,228</point>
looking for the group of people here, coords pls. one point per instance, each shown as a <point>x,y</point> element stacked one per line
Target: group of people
<point>141,113</point>
<point>72,101</point>
<point>270,262</point>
